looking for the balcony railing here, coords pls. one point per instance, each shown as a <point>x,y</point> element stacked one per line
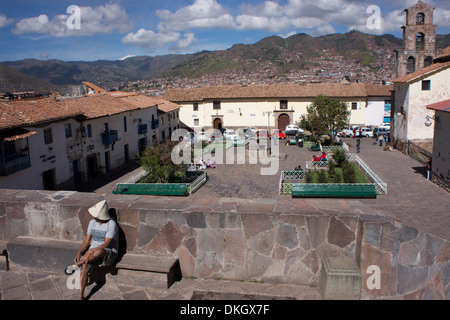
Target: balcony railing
<point>155,124</point>
<point>13,163</point>
<point>142,129</point>
<point>109,137</point>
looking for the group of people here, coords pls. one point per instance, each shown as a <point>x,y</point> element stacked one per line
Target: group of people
<point>203,165</point>
<point>323,157</point>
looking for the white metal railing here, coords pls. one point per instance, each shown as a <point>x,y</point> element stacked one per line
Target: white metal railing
<point>287,178</point>
<point>197,183</point>
<point>380,184</point>
<point>316,165</point>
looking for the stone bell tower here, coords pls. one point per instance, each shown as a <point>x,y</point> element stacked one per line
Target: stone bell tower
<point>419,40</point>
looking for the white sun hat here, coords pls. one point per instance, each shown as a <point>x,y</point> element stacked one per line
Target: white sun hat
<point>100,211</point>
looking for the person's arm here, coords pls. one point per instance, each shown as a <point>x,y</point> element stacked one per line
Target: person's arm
<point>84,247</point>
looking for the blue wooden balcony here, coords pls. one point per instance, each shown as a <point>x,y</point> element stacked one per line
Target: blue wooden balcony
<point>142,129</point>
<point>155,124</point>
<point>109,137</point>
<point>13,163</point>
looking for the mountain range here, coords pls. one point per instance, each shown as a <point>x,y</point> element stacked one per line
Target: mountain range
<point>276,55</point>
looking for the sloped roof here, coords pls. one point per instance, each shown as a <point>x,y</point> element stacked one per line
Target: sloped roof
<point>25,113</point>
<point>33,112</point>
<point>440,106</point>
<point>335,90</point>
<point>423,72</point>
<point>144,101</point>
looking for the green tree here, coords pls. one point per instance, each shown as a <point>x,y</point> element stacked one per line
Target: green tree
<point>157,161</point>
<point>325,116</point>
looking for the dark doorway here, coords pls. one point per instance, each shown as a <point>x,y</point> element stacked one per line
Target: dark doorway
<point>218,123</point>
<point>92,167</point>
<point>283,121</point>
<point>48,178</point>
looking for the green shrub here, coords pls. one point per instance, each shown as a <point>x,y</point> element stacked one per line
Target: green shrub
<point>322,177</point>
<point>308,176</point>
<point>339,156</point>
<point>337,178</point>
<point>349,173</point>
<point>331,168</point>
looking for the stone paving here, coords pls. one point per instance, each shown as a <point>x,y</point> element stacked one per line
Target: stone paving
<point>411,199</point>
<point>28,285</point>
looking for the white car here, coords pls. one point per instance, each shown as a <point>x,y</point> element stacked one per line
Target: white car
<point>294,127</point>
<point>230,135</point>
<point>366,132</point>
<point>386,125</point>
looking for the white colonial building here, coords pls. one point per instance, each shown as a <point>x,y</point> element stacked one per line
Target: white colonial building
<point>441,144</point>
<point>275,105</point>
<point>412,93</point>
<point>59,144</point>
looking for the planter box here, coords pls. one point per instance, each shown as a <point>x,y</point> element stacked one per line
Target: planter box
<point>329,190</point>
<point>163,189</point>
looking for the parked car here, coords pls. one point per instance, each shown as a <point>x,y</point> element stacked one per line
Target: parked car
<point>252,129</point>
<point>294,127</point>
<point>347,132</point>
<point>250,134</point>
<point>230,135</point>
<point>383,131</point>
<point>386,125</point>
<point>279,134</point>
<point>262,134</point>
<point>366,132</point>
<point>201,136</point>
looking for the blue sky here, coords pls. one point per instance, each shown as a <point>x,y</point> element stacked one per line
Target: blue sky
<point>114,29</point>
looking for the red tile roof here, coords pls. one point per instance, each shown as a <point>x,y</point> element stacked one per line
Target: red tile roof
<point>335,90</point>
<point>423,72</point>
<point>440,106</point>
<point>16,114</point>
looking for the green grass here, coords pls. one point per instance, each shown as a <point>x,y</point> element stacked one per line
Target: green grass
<point>360,177</point>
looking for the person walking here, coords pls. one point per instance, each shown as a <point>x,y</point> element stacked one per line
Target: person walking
<point>428,168</point>
<point>381,138</point>
<point>358,145</point>
<point>375,136</point>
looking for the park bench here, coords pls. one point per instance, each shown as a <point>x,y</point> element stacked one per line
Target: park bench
<point>306,190</point>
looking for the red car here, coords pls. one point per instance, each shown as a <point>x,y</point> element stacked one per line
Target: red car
<point>279,134</point>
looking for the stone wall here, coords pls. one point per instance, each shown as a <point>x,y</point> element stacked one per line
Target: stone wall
<point>283,247</point>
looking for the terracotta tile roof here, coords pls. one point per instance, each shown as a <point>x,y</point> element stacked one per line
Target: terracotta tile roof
<point>423,72</point>
<point>440,106</point>
<point>335,90</point>
<point>33,112</point>
<point>144,101</point>
<point>30,113</point>
<point>444,56</point>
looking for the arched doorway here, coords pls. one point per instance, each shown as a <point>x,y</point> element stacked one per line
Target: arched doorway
<point>217,123</point>
<point>283,121</point>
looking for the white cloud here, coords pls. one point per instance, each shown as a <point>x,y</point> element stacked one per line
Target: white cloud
<point>150,39</point>
<point>127,57</point>
<point>4,21</point>
<point>204,14</point>
<point>103,19</point>
<point>187,42</point>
